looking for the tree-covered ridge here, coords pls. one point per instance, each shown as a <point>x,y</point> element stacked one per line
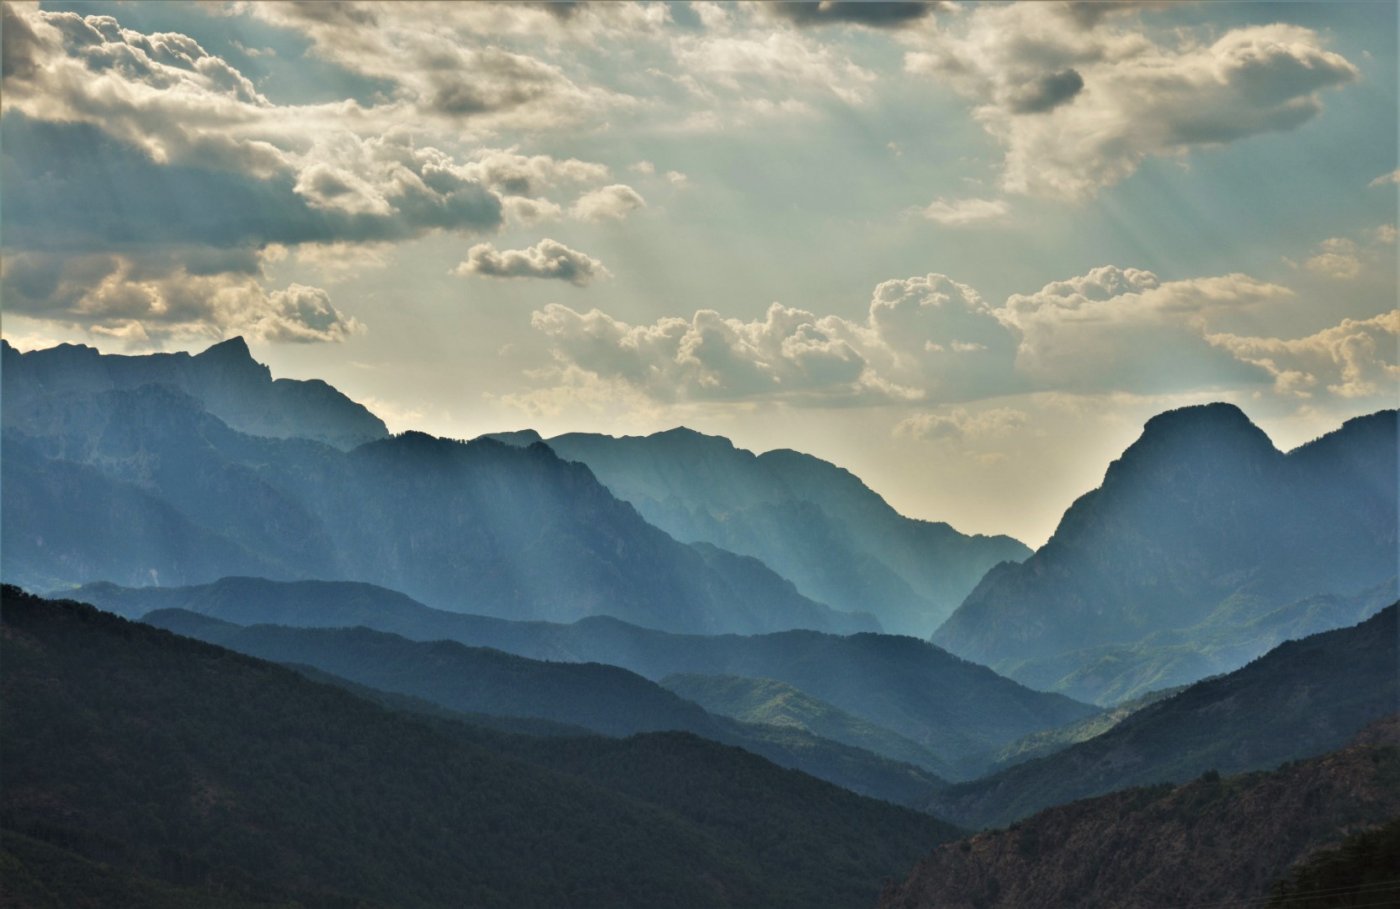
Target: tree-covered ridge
<point>956,710</point>
<point>774,703</point>
<point>272,787</point>
<point>600,698</point>
<point>1215,841</point>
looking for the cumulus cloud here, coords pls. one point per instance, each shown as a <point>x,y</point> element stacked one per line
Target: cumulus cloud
<point>962,212</point>
<point>1124,329</point>
<point>608,203</point>
<point>930,339</point>
<point>1079,98</point>
<point>1335,258</point>
<point>167,297</point>
<point>1353,359</point>
<point>1389,179</point>
<point>546,259</point>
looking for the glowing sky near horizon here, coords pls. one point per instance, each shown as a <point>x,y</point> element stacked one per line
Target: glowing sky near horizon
<point>963,250</point>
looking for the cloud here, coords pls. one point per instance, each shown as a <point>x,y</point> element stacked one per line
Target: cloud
<point>1336,258</point>
<point>755,68</point>
<point>960,424</point>
<point>1125,329</point>
<point>1079,99</point>
<point>546,259</point>
<point>930,339</point>
<point>962,212</point>
<point>1353,359</point>
<point>872,13</point>
<point>608,203</point>
<point>152,299</point>
<point>922,336</point>
<point>1389,179</point>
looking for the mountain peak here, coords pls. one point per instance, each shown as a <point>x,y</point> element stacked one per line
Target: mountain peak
<point>234,348</point>
<point>1200,428</point>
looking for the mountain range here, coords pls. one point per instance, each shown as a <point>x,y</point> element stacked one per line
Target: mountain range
<point>814,523</point>
<point>145,484</point>
<point>599,698</point>
<point>957,711</point>
<point>1302,698</point>
<point>140,764</point>
<point>1204,547</point>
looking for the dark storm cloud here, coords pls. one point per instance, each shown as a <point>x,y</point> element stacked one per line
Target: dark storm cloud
<point>1048,92</point>
<point>70,186</point>
<point>874,13</point>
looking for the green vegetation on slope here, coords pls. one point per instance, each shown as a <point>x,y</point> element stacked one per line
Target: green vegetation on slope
<point>774,703</point>
<point>1216,841</point>
<point>1301,698</point>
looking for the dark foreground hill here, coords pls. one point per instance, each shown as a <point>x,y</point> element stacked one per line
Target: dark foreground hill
<point>1300,699</point>
<point>811,521</point>
<point>1203,548</point>
<point>1211,842</point>
<point>958,711</point>
<point>138,758</point>
<point>599,698</point>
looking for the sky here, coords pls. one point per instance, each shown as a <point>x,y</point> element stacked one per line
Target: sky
<point>964,250</point>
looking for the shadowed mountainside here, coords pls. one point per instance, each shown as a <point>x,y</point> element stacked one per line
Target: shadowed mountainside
<point>1204,547</point>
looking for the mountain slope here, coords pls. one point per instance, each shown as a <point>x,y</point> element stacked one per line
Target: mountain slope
<point>1211,842</point>
<point>809,520</point>
<point>958,711</point>
<point>600,698</point>
<point>224,378</point>
<point>175,761</point>
<point>1199,529</point>
<point>482,527</point>
<point>1302,698</point>
<point>774,703</point>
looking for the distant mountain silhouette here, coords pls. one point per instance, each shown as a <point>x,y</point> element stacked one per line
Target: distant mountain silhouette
<point>1302,698</point>
<point>225,379</point>
<point>960,712</point>
<point>1203,547</point>
<point>600,698</point>
<point>483,526</point>
<point>811,521</point>
<point>144,768</point>
<point>1210,842</point>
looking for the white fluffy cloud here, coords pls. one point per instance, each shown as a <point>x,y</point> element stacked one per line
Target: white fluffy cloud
<point>608,203</point>
<point>168,298</point>
<point>962,212</point>
<point>1080,100</point>
<point>1353,359</point>
<point>960,424</point>
<point>546,259</point>
<point>930,339</point>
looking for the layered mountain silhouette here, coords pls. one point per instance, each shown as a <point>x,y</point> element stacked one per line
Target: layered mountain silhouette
<point>1214,841</point>
<point>144,768</point>
<point>1302,698</point>
<point>225,379</point>
<point>146,485</point>
<point>1203,547</point>
<point>599,698</point>
<point>958,711</point>
<point>812,522</point>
